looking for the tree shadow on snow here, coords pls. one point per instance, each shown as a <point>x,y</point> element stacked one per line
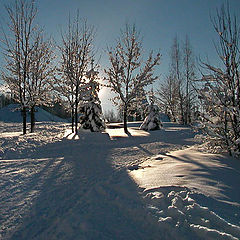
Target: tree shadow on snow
<point>220,176</point>
<point>82,196</point>
<point>171,137</point>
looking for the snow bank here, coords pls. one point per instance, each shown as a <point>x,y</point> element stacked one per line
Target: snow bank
<point>12,113</point>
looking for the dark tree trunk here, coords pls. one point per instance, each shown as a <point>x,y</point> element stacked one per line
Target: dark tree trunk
<point>125,120</point>
<point>76,118</point>
<point>24,118</point>
<point>32,118</point>
<point>72,115</point>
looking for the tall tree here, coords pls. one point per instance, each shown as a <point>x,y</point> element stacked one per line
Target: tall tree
<point>167,97</point>
<point>127,73</point>
<point>76,55</point>
<point>176,75</point>
<point>221,95</point>
<point>40,76</point>
<point>176,94</point>
<point>188,79</point>
<point>18,46</point>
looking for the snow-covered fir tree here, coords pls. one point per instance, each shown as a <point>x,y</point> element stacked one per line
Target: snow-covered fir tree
<point>91,111</point>
<point>152,121</point>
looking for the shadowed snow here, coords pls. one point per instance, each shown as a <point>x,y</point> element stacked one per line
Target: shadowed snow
<point>57,185</point>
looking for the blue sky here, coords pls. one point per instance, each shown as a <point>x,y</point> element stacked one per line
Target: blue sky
<point>158,20</point>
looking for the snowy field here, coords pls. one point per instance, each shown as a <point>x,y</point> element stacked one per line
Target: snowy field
<point>147,185</point>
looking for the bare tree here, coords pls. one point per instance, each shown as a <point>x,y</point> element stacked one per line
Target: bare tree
<point>176,94</point>
<point>40,76</point>
<point>76,56</point>
<point>127,74</point>
<point>167,97</point>
<point>188,79</point>
<point>176,75</point>
<point>221,95</point>
<point>18,45</point>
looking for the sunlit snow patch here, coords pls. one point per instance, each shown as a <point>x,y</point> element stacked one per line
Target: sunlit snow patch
<point>119,133</point>
<point>189,189</point>
<point>10,134</point>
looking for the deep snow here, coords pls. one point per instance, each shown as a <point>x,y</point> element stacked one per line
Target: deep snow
<point>56,185</point>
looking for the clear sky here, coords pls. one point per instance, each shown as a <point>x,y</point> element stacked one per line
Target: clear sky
<point>158,20</point>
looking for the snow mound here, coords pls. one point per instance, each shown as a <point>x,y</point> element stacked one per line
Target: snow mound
<point>12,113</point>
<point>195,192</point>
<point>87,136</point>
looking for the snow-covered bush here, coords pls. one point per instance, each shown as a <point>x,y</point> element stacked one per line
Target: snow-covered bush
<point>152,121</point>
<point>92,117</point>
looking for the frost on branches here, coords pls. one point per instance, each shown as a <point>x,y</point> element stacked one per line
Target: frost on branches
<point>128,74</point>
<point>152,121</point>
<point>76,51</point>
<point>28,59</point>
<point>221,94</point>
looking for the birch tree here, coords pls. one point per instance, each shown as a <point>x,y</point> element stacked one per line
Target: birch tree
<point>176,75</point>
<point>127,73</point>
<point>167,97</point>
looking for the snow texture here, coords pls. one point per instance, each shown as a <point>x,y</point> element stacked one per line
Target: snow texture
<point>55,185</point>
<point>152,121</point>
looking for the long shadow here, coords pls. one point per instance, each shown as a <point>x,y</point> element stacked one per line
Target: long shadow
<point>84,197</point>
<point>163,137</point>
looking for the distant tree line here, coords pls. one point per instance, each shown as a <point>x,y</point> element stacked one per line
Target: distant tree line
<point>176,95</point>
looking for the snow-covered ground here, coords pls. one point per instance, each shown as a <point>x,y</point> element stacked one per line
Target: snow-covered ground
<point>197,192</point>
<point>145,185</point>
<point>12,113</point>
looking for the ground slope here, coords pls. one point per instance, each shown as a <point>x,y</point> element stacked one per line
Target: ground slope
<point>12,113</point>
